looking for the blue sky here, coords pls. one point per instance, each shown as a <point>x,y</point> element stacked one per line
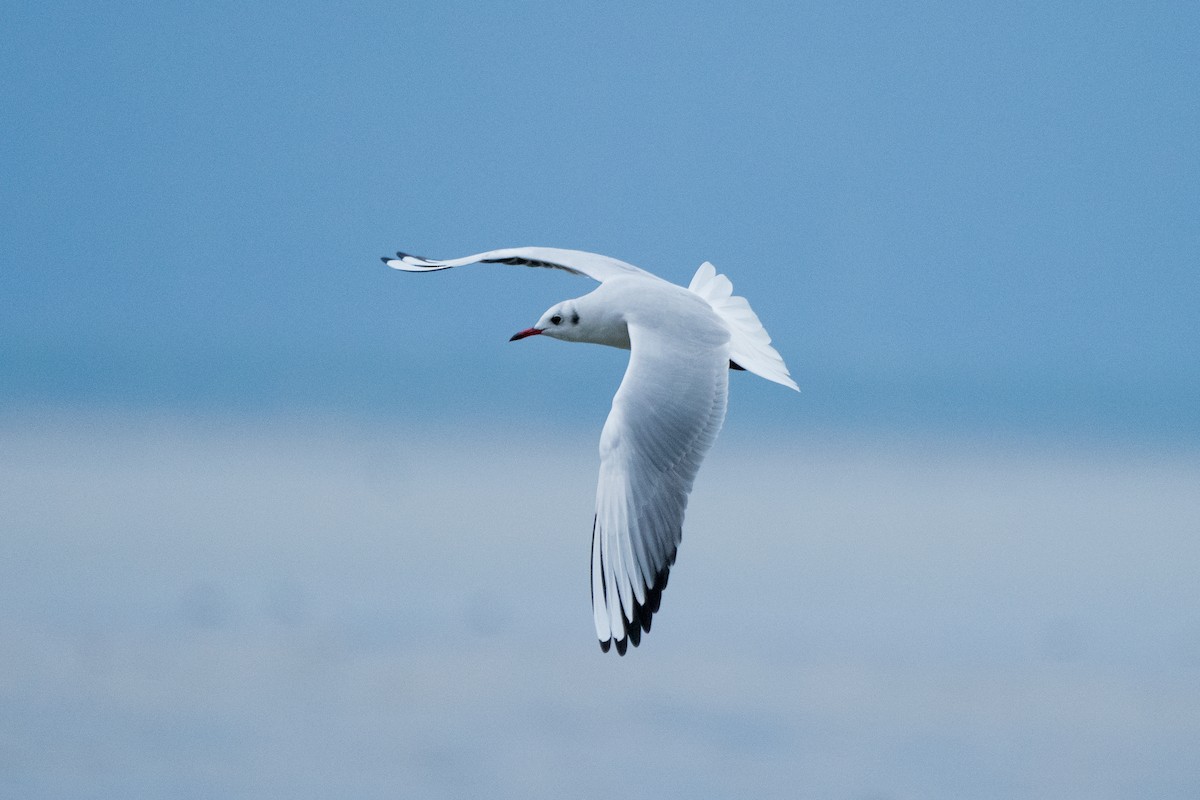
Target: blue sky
<point>949,218</point>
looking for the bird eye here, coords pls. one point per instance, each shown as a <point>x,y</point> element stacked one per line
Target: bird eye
<point>556,319</point>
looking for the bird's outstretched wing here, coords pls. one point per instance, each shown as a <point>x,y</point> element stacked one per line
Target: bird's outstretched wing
<point>577,262</point>
<point>664,418</point>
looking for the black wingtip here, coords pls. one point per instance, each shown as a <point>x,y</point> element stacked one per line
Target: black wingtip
<point>635,633</point>
<point>385,259</point>
<point>636,621</point>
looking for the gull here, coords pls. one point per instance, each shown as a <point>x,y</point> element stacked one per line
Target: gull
<point>665,415</point>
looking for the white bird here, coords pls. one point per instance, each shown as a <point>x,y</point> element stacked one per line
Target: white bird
<point>665,415</point>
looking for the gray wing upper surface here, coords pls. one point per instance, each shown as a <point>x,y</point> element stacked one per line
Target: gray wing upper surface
<point>576,262</point>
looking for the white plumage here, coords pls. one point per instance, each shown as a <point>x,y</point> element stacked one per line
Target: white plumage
<point>665,415</point>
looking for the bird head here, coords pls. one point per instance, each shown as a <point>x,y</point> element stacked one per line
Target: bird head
<point>593,318</point>
<point>561,321</point>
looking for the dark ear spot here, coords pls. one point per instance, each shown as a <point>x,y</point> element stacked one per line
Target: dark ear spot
<point>575,318</point>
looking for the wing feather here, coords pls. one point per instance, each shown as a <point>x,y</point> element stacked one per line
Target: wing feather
<point>577,262</point>
<point>664,418</point>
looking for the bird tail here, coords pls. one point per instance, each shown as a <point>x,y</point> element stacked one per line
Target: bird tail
<point>749,345</point>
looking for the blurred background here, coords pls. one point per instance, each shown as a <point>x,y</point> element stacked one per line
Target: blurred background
<point>276,520</point>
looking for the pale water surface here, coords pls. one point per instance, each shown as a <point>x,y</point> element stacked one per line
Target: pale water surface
<point>313,608</point>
